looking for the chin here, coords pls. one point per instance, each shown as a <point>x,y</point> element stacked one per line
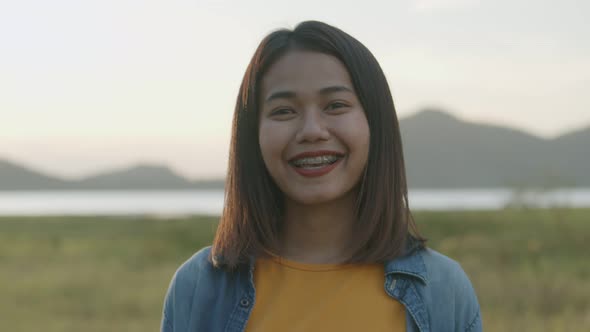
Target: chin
<point>316,198</point>
<point>313,200</point>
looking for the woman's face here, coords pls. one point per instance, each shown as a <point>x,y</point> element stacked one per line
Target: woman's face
<point>314,135</point>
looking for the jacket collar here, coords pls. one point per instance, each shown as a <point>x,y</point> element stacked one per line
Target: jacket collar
<point>411,265</point>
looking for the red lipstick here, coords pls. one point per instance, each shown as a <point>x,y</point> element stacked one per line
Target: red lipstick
<point>316,171</point>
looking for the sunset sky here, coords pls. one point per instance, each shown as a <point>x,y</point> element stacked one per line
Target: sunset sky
<point>94,85</point>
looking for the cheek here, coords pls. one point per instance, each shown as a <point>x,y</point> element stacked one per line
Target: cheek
<point>358,135</point>
<point>272,143</point>
<point>265,148</point>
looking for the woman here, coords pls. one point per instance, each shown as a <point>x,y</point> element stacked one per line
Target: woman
<point>316,233</point>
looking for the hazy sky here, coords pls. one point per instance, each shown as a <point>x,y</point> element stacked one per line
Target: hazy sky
<point>91,85</point>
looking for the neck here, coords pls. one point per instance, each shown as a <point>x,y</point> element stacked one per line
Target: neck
<point>318,233</point>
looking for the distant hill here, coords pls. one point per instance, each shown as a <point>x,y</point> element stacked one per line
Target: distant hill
<point>17,177</point>
<point>440,151</point>
<point>141,177</point>
<point>138,177</point>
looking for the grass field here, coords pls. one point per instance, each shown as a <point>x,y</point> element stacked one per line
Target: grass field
<point>530,268</point>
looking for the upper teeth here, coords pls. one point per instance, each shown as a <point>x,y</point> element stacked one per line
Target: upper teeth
<point>316,160</point>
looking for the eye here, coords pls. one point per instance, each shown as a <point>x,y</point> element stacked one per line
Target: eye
<point>281,111</point>
<point>336,105</point>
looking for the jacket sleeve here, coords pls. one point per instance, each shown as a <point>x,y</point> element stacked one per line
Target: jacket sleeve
<point>168,309</point>
<point>178,302</point>
<point>452,301</point>
<point>468,308</point>
<point>475,324</point>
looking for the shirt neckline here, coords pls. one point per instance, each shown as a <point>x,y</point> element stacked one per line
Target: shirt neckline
<point>308,267</point>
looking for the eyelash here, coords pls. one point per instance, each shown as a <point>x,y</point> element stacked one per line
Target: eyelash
<point>338,103</point>
<point>279,111</point>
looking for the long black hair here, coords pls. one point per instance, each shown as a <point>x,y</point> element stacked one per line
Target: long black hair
<point>254,205</point>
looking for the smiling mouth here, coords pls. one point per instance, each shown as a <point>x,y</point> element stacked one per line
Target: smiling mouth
<point>312,166</point>
<point>315,162</point>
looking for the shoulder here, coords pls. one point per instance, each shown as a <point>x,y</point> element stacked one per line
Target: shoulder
<point>181,291</point>
<point>189,272</point>
<point>440,268</point>
<point>450,288</point>
<point>194,267</point>
<point>198,272</point>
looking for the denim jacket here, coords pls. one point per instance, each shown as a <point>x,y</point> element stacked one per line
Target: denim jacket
<point>434,289</point>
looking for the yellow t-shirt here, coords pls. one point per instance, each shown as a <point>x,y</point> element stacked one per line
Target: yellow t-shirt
<point>293,296</point>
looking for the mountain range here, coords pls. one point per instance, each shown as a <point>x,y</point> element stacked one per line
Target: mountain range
<point>440,151</point>
<point>140,177</point>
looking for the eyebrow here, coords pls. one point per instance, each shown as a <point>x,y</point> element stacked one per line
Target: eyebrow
<point>323,91</point>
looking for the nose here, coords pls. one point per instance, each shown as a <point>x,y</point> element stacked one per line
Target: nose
<point>312,128</point>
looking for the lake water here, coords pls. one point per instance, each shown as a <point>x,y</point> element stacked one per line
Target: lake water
<point>210,202</point>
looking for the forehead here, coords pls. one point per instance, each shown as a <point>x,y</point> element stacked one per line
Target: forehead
<point>304,71</point>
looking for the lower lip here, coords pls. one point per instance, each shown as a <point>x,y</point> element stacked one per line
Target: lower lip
<point>315,172</point>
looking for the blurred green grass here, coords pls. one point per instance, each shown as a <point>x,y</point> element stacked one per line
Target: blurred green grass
<point>530,268</point>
